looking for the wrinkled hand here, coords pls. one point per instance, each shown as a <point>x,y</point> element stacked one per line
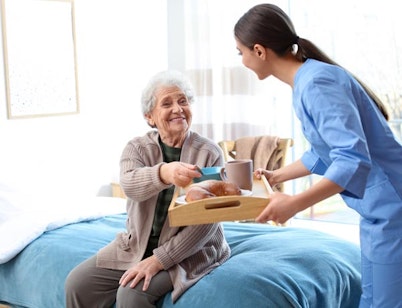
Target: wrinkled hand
<point>179,174</point>
<point>146,269</point>
<point>279,209</point>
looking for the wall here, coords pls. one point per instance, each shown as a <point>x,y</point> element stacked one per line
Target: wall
<point>120,44</point>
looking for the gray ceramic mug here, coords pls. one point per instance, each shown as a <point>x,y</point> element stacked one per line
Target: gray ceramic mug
<point>240,172</point>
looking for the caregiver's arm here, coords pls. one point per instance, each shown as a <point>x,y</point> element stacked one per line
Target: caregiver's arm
<point>292,171</point>
<point>282,207</point>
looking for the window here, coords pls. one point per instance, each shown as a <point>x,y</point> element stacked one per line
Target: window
<point>361,36</point>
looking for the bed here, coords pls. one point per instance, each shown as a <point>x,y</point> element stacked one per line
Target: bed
<point>269,267</point>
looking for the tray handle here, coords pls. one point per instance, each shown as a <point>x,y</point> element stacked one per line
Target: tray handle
<point>267,185</point>
<point>220,205</point>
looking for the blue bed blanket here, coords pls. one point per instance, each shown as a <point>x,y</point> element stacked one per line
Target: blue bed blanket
<point>269,267</point>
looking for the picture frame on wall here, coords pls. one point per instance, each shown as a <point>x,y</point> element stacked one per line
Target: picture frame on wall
<point>39,58</point>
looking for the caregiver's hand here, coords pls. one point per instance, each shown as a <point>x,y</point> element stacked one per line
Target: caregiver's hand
<point>258,173</point>
<point>280,209</point>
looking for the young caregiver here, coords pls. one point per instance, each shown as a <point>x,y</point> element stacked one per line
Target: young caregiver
<point>351,145</point>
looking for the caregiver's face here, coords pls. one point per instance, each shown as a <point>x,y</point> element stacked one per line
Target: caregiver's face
<point>254,59</point>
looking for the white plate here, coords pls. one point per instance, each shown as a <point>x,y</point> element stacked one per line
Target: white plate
<point>182,199</point>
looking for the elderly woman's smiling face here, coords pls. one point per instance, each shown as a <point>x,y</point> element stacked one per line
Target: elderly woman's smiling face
<point>171,115</point>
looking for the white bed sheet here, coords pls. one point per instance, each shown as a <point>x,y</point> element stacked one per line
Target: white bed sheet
<point>25,218</point>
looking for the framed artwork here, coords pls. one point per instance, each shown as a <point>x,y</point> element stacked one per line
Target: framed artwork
<point>39,57</point>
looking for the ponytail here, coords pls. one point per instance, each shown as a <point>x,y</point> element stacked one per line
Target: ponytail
<point>270,26</point>
<point>306,49</point>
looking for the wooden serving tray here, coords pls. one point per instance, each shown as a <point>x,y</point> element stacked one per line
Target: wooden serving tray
<point>228,208</point>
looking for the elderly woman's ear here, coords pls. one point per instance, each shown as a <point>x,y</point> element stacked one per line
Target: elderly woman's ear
<point>149,120</point>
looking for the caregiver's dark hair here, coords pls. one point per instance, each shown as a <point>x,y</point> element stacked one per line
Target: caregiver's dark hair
<point>271,27</point>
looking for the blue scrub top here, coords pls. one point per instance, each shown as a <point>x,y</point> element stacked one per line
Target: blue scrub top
<point>353,146</point>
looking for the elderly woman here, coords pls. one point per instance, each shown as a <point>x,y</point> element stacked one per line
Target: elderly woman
<point>150,259</point>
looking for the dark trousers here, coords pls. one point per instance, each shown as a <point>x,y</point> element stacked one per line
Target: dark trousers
<point>90,286</point>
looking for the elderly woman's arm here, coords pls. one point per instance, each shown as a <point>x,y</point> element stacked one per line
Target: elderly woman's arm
<point>141,179</point>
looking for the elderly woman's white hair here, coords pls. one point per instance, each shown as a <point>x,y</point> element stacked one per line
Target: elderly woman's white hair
<point>165,79</point>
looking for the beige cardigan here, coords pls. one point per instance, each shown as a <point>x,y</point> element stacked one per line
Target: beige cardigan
<point>187,253</point>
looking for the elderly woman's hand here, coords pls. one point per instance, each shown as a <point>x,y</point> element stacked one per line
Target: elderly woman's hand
<point>145,269</point>
<point>178,173</point>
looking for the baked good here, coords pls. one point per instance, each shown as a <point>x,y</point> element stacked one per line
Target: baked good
<point>210,189</point>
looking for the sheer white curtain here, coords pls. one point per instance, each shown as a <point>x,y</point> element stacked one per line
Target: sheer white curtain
<point>365,37</point>
<point>231,101</point>
<point>362,36</point>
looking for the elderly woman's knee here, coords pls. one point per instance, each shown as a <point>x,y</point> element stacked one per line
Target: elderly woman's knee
<point>129,297</point>
<point>73,282</point>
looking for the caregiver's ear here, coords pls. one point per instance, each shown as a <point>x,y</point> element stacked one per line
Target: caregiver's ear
<point>259,50</point>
